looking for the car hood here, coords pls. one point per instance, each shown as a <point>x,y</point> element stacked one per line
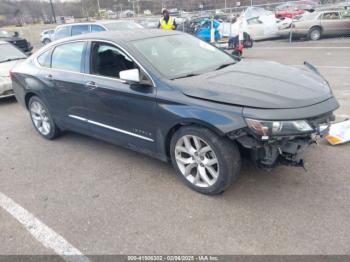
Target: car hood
<point>6,67</point>
<point>259,84</point>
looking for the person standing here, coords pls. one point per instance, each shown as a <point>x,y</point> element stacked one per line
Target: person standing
<point>167,22</point>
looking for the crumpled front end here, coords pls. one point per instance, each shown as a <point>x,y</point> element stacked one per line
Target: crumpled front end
<point>270,151</point>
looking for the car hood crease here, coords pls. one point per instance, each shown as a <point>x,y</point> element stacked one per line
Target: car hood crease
<point>260,84</point>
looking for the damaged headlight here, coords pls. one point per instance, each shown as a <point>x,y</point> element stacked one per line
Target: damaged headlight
<point>278,128</point>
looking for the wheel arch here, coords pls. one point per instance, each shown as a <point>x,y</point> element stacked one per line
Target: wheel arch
<point>316,26</point>
<point>187,122</point>
<point>27,97</point>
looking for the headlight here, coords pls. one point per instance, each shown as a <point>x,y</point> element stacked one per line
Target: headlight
<point>278,128</point>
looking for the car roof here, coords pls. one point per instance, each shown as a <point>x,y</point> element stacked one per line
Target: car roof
<point>124,36</point>
<point>100,22</point>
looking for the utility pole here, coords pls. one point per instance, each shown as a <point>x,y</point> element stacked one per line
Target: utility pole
<point>53,12</point>
<point>99,8</point>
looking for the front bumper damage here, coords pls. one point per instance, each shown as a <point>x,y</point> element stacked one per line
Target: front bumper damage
<point>285,150</point>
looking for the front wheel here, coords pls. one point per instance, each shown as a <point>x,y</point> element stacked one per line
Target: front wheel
<point>46,41</point>
<point>205,161</point>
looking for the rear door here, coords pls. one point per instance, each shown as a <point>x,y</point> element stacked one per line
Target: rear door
<point>63,77</point>
<point>255,28</point>
<point>331,23</point>
<point>120,112</point>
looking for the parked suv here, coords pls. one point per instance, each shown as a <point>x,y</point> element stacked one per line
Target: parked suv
<point>19,42</point>
<point>83,28</point>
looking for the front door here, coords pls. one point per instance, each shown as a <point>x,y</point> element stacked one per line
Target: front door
<point>119,112</point>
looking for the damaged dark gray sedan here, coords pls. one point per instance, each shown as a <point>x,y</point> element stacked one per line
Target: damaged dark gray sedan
<point>176,98</point>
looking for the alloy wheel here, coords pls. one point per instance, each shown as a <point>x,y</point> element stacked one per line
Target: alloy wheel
<point>315,34</point>
<point>40,118</point>
<point>197,161</point>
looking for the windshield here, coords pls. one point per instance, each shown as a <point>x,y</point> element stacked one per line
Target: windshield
<point>9,52</point>
<point>4,34</point>
<point>182,55</point>
<point>308,16</point>
<point>122,25</point>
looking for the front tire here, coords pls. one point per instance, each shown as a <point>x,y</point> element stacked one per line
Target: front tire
<point>204,161</point>
<point>315,34</point>
<point>46,41</point>
<point>42,119</point>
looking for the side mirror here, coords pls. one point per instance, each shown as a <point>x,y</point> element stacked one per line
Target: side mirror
<point>131,75</point>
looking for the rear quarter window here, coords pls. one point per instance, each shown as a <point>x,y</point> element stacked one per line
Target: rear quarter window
<point>45,59</point>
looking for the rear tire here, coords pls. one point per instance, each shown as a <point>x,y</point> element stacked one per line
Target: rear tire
<point>42,119</point>
<point>314,34</point>
<point>204,161</point>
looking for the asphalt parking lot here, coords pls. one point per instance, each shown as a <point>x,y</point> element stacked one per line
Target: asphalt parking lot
<point>103,199</point>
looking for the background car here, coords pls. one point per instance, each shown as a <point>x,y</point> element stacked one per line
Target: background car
<point>46,36</point>
<point>320,23</point>
<point>259,23</point>
<point>9,57</point>
<point>293,9</point>
<point>14,39</point>
<point>149,22</point>
<point>83,28</point>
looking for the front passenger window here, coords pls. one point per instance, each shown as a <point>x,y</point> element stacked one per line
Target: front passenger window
<point>80,29</point>
<point>68,56</point>
<point>108,60</point>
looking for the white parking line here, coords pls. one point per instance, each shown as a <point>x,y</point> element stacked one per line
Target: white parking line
<point>41,232</point>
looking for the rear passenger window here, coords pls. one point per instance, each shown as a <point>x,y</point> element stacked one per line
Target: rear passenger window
<point>80,29</point>
<point>331,16</point>
<point>68,56</point>
<point>45,59</point>
<point>97,28</point>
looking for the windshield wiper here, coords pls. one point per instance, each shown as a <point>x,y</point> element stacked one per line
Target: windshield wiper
<point>225,65</point>
<point>185,76</point>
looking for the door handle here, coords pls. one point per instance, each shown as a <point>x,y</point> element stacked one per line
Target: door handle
<point>91,85</point>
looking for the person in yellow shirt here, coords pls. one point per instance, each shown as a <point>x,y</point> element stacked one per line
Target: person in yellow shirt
<point>167,22</point>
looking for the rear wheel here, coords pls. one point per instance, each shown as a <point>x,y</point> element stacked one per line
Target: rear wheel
<point>41,119</point>
<point>204,161</point>
<point>315,33</point>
